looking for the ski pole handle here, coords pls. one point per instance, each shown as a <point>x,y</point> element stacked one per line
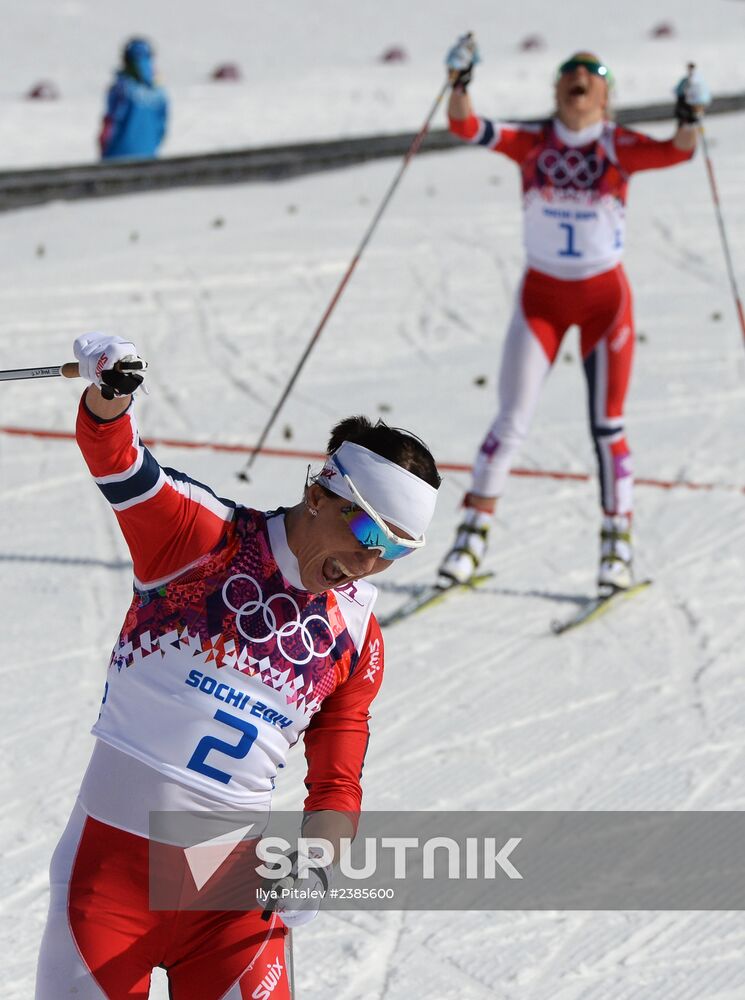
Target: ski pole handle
<point>69,370</point>
<point>466,40</point>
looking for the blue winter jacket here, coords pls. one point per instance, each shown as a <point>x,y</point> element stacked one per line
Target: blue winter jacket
<point>135,122</point>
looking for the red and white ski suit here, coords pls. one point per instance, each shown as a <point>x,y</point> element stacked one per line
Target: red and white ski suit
<point>574,193</point>
<point>223,661</point>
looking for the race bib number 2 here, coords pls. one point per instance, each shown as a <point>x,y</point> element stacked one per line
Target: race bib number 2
<point>211,744</point>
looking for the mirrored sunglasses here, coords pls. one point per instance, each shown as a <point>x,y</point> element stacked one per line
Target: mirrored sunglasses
<point>369,533</point>
<point>591,65</point>
<point>369,528</point>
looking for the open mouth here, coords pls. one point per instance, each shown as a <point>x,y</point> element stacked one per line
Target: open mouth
<point>578,90</point>
<point>334,572</point>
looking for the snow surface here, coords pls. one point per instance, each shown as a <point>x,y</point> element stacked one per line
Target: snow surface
<point>313,69</point>
<point>221,288</point>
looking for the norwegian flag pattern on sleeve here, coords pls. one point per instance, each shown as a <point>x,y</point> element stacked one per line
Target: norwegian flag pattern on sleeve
<point>168,520</point>
<point>512,139</point>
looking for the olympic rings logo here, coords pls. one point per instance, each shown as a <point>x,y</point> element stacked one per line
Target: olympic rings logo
<point>571,167</point>
<point>292,627</point>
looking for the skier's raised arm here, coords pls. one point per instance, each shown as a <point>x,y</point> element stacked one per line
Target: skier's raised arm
<point>167,519</point>
<point>693,96</point>
<point>637,151</point>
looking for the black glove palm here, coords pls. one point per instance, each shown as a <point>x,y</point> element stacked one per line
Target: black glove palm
<point>464,77</point>
<point>123,379</point>
<point>685,112</point>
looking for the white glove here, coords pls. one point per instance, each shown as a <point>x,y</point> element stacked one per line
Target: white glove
<point>464,55</point>
<point>98,353</point>
<point>302,897</point>
<point>694,91</point>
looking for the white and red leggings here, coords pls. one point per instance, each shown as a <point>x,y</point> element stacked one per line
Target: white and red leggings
<point>546,308</point>
<point>103,941</point>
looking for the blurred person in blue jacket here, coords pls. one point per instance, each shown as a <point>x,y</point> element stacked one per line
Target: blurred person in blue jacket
<point>136,106</point>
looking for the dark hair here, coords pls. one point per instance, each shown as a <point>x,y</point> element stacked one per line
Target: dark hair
<point>396,445</point>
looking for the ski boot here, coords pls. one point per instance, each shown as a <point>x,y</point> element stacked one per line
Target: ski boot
<point>616,554</point>
<point>463,559</point>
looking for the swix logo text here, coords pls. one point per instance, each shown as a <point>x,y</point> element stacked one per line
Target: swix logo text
<point>102,362</point>
<point>374,667</point>
<point>266,987</point>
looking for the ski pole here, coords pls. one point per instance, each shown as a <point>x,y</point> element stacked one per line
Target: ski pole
<point>720,220</point>
<point>411,152</point>
<point>290,962</point>
<point>722,231</point>
<point>68,370</point>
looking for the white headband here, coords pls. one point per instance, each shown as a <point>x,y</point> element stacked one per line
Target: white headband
<point>395,493</point>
